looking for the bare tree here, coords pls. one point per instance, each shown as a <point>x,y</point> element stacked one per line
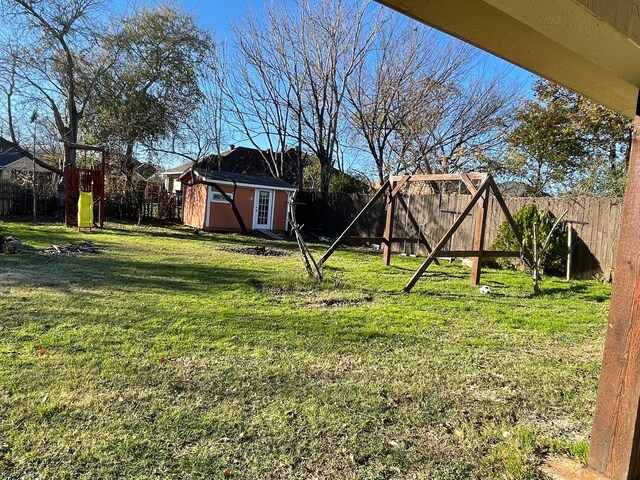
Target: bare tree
<point>17,106</point>
<point>465,119</point>
<point>386,88</point>
<point>260,96</point>
<point>292,85</point>
<point>200,133</point>
<point>8,72</point>
<point>328,40</point>
<point>61,64</point>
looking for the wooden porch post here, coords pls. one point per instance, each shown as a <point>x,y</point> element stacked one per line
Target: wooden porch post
<point>615,436</point>
<point>388,227</point>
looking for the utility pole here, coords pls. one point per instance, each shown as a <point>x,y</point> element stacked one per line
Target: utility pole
<point>34,119</point>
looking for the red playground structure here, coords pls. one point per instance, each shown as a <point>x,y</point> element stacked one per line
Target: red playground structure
<point>87,179</point>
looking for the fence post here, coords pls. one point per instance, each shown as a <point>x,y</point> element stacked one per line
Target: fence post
<point>388,227</point>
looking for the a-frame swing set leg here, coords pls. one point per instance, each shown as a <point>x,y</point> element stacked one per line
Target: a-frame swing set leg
<point>443,241</point>
<point>481,194</point>
<point>478,237</point>
<point>393,191</point>
<point>385,186</point>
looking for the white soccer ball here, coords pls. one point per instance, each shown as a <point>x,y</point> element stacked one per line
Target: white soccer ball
<point>485,289</point>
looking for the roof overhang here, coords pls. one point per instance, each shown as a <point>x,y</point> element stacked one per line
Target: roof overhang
<point>249,185</point>
<point>211,181</point>
<point>589,46</point>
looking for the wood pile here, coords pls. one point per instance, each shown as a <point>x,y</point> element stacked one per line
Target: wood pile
<point>73,249</point>
<point>259,251</point>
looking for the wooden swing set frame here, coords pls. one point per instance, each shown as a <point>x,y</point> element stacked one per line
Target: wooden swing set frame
<point>480,185</point>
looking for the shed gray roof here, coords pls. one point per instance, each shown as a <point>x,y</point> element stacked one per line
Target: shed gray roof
<point>242,179</point>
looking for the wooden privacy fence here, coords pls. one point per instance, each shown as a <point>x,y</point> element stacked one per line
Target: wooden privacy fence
<point>596,223</point>
<point>145,206</point>
<point>18,200</point>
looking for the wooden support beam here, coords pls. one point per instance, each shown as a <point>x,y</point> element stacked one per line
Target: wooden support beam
<point>401,183</point>
<point>416,225</point>
<point>67,200</point>
<point>569,249</point>
<point>439,177</point>
<point>469,183</point>
<point>385,186</point>
<point>477,253</point>
<point>388,226</point>
<point>364,239</point>
<point>478,237</point>
<point>615,438</point>
<point>507,214</point>
<point>416,276</point>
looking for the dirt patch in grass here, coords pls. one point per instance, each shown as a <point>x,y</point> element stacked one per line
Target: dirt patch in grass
<point>318,298</point>
<point>330,299</point>
<point>258,251</point>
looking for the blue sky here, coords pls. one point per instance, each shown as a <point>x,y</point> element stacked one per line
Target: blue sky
<point>217,15</point>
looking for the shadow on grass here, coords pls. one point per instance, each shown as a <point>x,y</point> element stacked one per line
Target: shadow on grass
<point>86,282</point>
<point>583,290</point>
<point>443,276</point>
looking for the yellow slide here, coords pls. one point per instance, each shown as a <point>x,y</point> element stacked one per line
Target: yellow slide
<point>85,210</point>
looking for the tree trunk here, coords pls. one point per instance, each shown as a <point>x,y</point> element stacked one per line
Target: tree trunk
<point>325,176</point>
<point>232,202</point>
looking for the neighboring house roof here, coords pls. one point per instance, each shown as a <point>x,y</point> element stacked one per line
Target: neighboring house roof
<point>9,153</point>
<point>146,170</point>
<point>155,178</point>
<point>518,189</point>
<point>244,160</point>
<point>241,160</point>
<point>513,189</point>
<point>247,161</point>
<point>179,170</point>
<point>24,164</point>
<point>14,158</point>
<point>231,178</point>
<point>250,161</point>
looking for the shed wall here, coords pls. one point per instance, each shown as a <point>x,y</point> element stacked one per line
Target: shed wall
<point>221,216</point>
<point>280,212</point>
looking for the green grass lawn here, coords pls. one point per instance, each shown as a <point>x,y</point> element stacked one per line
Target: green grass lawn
<point>168,356</point>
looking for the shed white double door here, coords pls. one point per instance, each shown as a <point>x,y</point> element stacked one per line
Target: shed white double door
<point>263,204</point>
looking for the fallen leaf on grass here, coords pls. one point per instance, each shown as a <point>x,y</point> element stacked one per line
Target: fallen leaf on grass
<point>41,351</point>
